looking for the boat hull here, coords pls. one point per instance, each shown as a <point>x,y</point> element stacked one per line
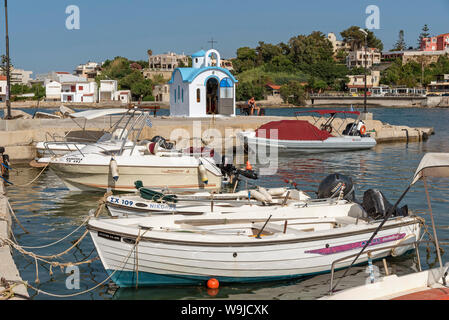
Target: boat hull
<point>162,261</point>
<point>333,144</point>
<point>97,176</point>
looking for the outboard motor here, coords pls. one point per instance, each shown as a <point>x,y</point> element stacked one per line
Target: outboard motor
<point>228,169</point>
<point>350,130</point>
<point>331,185</point>
<point>377,206</point>
<point>162,142</point>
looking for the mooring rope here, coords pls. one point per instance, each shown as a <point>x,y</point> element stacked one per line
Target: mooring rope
<point>40,173</point>
<point>87,290</point>
<point>57,241</point>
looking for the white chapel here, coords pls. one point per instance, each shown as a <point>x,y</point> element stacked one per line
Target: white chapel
<point>204,89</point>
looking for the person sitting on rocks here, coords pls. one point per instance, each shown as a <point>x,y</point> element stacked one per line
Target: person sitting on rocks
<point>252,105</point>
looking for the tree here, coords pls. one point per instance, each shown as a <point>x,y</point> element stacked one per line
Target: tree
<point>293,92</point>
<point>400,44</point>
<point>356,38</point>
<point>266,52</point>
<point>424,34</point>
<point>246,59</point>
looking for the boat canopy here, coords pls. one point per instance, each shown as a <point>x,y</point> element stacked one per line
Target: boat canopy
<point>328,111</point>
<point>432,165</point>
<point>93,114</point>
<point>291,130</point>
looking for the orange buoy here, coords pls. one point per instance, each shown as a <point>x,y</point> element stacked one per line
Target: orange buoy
<point>248,166</point>
<point>213,283</point>
<point>362,129</point>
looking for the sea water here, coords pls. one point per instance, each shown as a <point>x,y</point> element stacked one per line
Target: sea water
<point>49,211</point>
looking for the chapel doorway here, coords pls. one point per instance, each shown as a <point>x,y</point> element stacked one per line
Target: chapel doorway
<point>212,96</point>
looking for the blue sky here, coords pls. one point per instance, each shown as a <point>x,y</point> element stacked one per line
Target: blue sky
<point>39,40</point>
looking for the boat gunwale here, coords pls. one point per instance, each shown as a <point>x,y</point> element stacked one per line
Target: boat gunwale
<point>393,225</point>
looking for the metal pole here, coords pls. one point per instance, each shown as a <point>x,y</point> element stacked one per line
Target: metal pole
<point>437,246</point>
<point>8,77</point>
<point>366,63</point>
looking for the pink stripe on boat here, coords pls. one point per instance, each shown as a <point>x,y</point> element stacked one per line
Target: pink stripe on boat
<point>355,245</point>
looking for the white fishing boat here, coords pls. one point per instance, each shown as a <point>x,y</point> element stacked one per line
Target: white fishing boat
<point>142,204</point>
<point>303,137</point>
<point>257,243</point>
<point>74,141</point>
<point>119,161</point>
<point>421,285</point>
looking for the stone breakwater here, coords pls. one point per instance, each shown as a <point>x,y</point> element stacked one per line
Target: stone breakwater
<point>20,136</point>
<point>8,269</point>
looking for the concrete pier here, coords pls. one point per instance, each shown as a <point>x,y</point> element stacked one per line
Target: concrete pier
<point>20,136</point>
<point>8,269</point>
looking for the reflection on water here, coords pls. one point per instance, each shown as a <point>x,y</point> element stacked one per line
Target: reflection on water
<point>49,211</point>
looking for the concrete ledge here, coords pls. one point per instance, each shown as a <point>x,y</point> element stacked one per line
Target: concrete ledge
<point>20,136</point>
<point>8,269</point>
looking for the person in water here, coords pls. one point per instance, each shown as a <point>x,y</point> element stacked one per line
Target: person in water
<point>252,105</point>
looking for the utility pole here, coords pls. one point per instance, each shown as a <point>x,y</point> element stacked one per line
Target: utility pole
<point>8,70</point>
<point>366,65</point>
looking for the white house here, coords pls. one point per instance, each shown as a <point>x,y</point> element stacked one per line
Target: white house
<point>161,92</point>
<point>203,89</point>
<point>79,92</point>
<point>53,91</point>
<point>108,90</point>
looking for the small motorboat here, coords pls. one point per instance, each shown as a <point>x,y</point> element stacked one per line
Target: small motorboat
<point>421,285</point>
<point>120,159</point>
<point>247,244</point>
<point>148,202</point>
<point>305,137</point>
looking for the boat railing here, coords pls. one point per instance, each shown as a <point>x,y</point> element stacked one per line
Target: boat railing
<point>369,253</point>
<point>328,123</point>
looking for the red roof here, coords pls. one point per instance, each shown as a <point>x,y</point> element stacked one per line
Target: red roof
<point>273,86</point>
<point>88,94</point>
<point>292,130</point>
<point>62,72</point>
<point>2,77</point>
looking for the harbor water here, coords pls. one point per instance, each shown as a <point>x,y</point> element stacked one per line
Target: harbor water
<point>49,211</point>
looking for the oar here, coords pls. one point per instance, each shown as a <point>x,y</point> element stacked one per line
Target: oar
<point>260,232</point>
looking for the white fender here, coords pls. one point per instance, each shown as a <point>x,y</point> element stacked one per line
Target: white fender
<point>258,196</point>
<point>114,169</point>
<point>265,193</point>
<point>203,173</point>
<point>276,191</point>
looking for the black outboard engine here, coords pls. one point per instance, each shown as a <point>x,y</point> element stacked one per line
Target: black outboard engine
<point>331,186</point>
<point>228,169</point>
<point>377,206</point>
<point>162,142</point>
<point>351,129</point>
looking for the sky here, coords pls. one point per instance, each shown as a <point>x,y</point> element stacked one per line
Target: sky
<point>40,41</point>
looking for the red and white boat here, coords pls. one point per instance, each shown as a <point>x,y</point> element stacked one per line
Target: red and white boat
<point>302,136</point>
